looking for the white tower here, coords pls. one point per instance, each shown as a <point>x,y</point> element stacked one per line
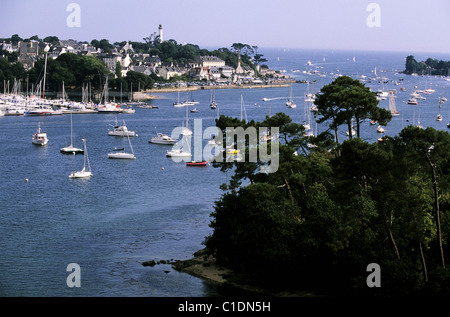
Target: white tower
<point>160,33</point>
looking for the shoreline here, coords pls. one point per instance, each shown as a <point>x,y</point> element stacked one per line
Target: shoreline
<point>147,94</point>
<point>205,266</point>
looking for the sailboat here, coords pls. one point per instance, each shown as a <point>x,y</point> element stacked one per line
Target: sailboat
<point>392,106</point>
<point>121,154</point>
<point>439,116</point>
<point>213,104</point>
<point>39,138</point>
<point>192,102</point>
<point>178,103</point>
<point>243,109</point>
<point>290,103</point>
<point>178,153</point>
<point>71,149</point>
<point>186,131</point>
<point>108,107</point>
<point>86,171</point>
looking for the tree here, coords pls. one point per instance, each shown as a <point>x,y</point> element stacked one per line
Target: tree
<point>338,210</point>
<point>103,44</point>
<point>54,40</point>
<point>433,147</point>
<point>15,39</point>
<point>241,48</point>
<point>345,100</point>
<point>118,70</point>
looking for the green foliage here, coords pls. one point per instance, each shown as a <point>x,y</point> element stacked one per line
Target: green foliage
<point>9,72</point>
<point>429,67</point>
<point>323,216</point>
<point>345,100</point>
<point>73,69</point>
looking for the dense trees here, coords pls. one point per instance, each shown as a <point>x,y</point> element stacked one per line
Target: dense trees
<point>323,216</point>
<point>347,101</point>
<point>429,67</point>
<point>73,69</point>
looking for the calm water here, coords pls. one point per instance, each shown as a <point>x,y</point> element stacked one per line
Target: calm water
<point>151,208</point>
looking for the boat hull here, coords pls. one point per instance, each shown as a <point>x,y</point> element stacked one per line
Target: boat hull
<point>176,153</point>
<point>122,156</point>
<point>71,150</point>
<point>199,164</point>
<point>80,175</point>
<point>122,133</point>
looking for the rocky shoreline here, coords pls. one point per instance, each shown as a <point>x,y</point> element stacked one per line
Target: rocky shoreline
<point>205,266</point>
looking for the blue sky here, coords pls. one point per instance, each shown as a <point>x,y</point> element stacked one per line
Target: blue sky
<point>407,26</point>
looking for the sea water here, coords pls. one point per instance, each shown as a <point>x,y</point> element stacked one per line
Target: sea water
<point>152,208</point>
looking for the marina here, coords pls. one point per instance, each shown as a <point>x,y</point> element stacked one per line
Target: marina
<point>130,211</point>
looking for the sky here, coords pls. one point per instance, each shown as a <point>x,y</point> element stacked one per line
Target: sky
<point>373,25</point>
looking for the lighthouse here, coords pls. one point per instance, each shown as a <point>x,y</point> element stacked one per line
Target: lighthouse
<point>160,33</point>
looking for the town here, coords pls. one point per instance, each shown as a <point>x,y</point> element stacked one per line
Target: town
<point>167,63</point>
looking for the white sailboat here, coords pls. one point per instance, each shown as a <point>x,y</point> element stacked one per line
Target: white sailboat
<point>213,104</point>
<point>71,149</point>
<point>179,104</point>
<point>108,107</point>
<point>121,154</point>
<point>186,131</point>
<point>178,153</point>
<point>243,109</point>
<point>392,106</point>
<point>439,116</point>
<point>86,171</point>
<point>290,103</point>
<point>39,138</point>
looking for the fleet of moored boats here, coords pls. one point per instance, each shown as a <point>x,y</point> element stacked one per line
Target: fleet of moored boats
<point>15,104</point>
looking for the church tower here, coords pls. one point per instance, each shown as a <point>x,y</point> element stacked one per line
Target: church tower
<point>160,33</point>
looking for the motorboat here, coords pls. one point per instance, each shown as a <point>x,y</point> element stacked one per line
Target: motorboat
<point>121,130</point>
<point>178,153</point>
<point>412,101</point>
<point>162,138</point>
<point>380,129</point>
<point>39,138</point>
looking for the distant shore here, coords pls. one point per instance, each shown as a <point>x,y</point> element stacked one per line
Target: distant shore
<point>149,93</point>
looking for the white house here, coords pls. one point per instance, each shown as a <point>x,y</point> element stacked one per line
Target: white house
<point>211,61</point>
<point>226,71</point>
